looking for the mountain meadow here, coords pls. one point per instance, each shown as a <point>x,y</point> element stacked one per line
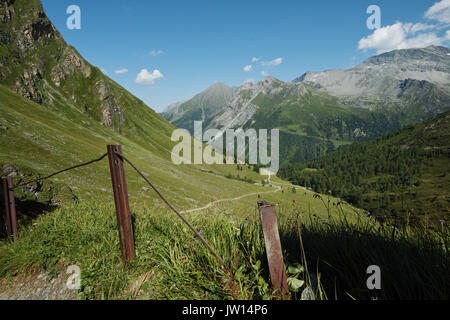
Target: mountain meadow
<point>364,179</point>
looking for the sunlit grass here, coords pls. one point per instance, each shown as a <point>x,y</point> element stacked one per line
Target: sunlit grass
<point>172,264</point>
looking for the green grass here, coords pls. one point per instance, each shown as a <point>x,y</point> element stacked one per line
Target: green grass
<point>172,264</point>
<point>38,141</point>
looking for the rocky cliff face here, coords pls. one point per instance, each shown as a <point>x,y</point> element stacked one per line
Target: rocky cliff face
<point>38,64</point>
<point>242,106</point>
<point>23,30</point>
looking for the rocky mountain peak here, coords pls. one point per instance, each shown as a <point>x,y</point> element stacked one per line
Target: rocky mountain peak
<point>269,80</point>
<point>432,59</point>
<point>218,85</point>
<point>382,75</point>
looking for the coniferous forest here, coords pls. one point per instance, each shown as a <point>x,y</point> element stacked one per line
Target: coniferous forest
<point>399,178</point>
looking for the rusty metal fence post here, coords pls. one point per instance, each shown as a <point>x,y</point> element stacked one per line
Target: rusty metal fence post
<point>10,207</point>
<point>119,186</point>
<point>273,247</point>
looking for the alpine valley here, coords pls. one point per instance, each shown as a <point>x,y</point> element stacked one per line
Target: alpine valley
<point>58,112</point>
<point>319,112</point>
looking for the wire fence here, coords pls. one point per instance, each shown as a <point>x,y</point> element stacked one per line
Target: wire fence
<point>119,186</point>
<point>198,234</point>
<point>11,186</point>
<point>59,172</point>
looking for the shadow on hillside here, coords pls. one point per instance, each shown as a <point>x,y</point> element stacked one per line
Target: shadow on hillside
<point>26,212</point>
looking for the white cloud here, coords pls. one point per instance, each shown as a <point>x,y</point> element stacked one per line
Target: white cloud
<point>401,36</point>
<point>247,68</point>
<point>104,71</point>
<point>254,59</point>
<point>413,28</point>
<point>156,52</point>
<point>274,62</point>
<point>250,80</point>
<point>264,73</point>
<point>145,77</point>
<point>384,39</point>
<point>407,35</point>
<point>121,71</point>
<point>440,11</point>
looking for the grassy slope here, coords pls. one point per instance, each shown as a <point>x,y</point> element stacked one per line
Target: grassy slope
<point>39,141</point>
<point>172,264</point>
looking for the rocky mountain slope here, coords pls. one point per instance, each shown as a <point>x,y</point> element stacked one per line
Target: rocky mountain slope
<point>203,106</point>
<point>38,64</point>
<point>384,76</point>
<point>318,112</point>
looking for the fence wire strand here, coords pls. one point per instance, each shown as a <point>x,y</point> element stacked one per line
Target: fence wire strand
<point>58,172</point>
<point>196,232</point>
<point>219,258</point>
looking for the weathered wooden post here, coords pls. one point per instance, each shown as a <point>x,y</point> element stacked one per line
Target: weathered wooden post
<point>119,186</point>
<point>273,247</point>
<point>10,207</point>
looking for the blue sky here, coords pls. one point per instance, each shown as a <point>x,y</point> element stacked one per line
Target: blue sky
<point>186,46</point>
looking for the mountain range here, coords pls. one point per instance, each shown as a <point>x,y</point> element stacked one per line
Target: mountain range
<point>320,111</point>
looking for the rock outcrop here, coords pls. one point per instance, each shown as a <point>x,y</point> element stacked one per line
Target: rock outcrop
<point>36,63</point>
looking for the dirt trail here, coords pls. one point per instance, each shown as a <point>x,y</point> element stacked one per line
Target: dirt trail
<point>278,188</point>
<point>290,185</point>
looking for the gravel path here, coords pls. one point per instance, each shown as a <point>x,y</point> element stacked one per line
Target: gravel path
<point>37,287</point>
